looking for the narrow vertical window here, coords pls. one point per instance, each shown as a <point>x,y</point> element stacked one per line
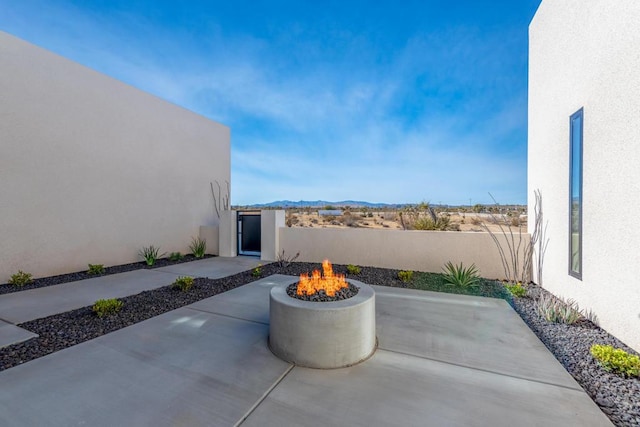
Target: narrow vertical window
<point>575,195</point>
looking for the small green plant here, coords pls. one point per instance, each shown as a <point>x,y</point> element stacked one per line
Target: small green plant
<point>150,254</point>
<point>198,247</point>
<point>183,283</point>
<point>353,269</point>
<point>105,307</point>
<point>96,269</point>
<point>20,278</point>
<point>405,275</point>
<point>616,360</point>
<point>257,271</point>
<point>459,276</point>
<point>517,290</point>
<point>558,311</point>
<point>176,256</point>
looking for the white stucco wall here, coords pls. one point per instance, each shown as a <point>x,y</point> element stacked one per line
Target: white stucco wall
<point>92,169</point>
<point>587,54</point>
<point>399,249</point>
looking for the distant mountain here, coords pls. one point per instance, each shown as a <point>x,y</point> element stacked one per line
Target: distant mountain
<point>322,204</point>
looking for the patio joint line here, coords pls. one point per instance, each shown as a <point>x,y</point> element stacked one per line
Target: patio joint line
<point>227,315</point>
<point>2,319</point>
<point>578,388</point>
<point>263,397</point>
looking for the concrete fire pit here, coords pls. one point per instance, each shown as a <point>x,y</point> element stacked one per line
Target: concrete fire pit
<point>323,334</point>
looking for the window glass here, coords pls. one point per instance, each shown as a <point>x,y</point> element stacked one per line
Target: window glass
<point>575,196</point>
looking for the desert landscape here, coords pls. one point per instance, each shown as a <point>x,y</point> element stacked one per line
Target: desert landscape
<point>419,217</point>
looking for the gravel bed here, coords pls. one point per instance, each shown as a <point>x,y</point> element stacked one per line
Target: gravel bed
<point>618,397</point>
<point>5,288</point>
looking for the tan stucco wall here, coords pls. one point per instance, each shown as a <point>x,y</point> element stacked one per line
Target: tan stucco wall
<point>399,249</point>
<point>586,54</point>
<point>93,169</point>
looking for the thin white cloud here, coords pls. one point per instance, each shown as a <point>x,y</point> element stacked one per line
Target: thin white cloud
<point>393,130</point>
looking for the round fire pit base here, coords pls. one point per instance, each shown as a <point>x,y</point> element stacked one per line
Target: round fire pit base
<point>322,335</point>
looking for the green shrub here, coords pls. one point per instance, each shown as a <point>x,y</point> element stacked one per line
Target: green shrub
<point>20,278</point>
<point>175,256</point>
<point>183,283</point>
<point>353,269</point>
<point>405,275</point>
<point>427,223</point>
<point>96,269</point>
<point>105,307</point>
<point>558,311</point>
<point>517,290</point>
<point>616,360</point>
<point>460,276</point>
<point>150,254</point>
<point>257,271</point>
<point>198,247</point>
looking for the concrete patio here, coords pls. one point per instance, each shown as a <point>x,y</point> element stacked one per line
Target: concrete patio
<point>20,307</point>
<point>442,360</point>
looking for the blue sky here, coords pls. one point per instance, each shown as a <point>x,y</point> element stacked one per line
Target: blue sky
<point>381,101</point>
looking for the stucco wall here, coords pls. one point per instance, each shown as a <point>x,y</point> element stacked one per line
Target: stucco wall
<point>585,54</point>
<point>399,249</point>
<point>92,169</point>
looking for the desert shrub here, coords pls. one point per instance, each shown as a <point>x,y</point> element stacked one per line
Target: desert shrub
<point>257,271</point>
<point>389,216</point>
<point>427,223</point>
<point>314,221</point>
<point>353,269</point>
<point>461,276</point>
<point>20,278</point>
<point>284,260</point>
<point>105,307</point>
<point>517,290</point>
<point>150,254</point>
<point>96,269</point>
<point>616,360</point>
<point>183,283</point>
<point>475,220</point>
<point>515,222</point>
<point>350,220</point>
<point>175,256</point>
<point>558,311</point>
<point>198,247</point>
<point>405,275</point>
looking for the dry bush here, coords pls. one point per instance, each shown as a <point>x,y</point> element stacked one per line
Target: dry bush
<point>389,216</point>
<point>475,220</point>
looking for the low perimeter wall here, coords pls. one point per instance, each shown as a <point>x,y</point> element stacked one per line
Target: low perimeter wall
<point>399,249</point>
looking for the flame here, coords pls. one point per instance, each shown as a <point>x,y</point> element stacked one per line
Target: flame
<point>327,281</point>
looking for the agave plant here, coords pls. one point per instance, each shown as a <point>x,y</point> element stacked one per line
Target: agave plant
<point>461,276</point>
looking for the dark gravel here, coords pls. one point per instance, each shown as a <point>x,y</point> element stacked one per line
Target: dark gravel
<point>5,288</point>
<point>342,294</point>
<point>617,397</point>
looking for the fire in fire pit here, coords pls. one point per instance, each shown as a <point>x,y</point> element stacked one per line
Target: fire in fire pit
<point>325,286</point>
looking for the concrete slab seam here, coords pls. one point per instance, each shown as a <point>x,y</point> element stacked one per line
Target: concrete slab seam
<point>226,315</point>
<point>578,388</point>
<point>264,396</point>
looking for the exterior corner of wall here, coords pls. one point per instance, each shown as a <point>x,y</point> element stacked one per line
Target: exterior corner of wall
<point>270,222</point>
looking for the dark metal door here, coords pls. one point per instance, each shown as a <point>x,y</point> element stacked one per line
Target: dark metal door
<point>249,231</point>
